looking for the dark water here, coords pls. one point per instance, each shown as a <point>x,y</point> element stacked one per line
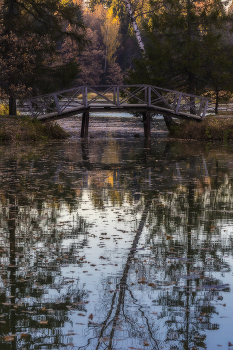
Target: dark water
<point>114,244</point>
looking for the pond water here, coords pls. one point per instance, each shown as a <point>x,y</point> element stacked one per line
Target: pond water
<point>111,243</point>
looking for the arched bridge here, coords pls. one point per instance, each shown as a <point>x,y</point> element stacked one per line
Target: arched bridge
<point>137,98</point>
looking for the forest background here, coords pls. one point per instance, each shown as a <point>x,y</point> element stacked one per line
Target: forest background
<point>49,45</point>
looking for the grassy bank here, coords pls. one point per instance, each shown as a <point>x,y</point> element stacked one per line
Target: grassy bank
<point>14,129</point>
<point>211,129</point>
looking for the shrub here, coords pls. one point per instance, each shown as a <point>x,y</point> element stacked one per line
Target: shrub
<point>30,130</point>
<point>4,109</point>
<point>211,129</point>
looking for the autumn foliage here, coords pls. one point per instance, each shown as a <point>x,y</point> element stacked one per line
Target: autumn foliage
<point>31,33</point>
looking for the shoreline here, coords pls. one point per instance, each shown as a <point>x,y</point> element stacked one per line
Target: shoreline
<point>213,128</point>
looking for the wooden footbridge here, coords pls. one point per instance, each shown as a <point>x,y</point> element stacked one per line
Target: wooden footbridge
<point>145,99</point>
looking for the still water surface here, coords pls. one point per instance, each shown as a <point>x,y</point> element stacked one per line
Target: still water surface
<point>113,244</point>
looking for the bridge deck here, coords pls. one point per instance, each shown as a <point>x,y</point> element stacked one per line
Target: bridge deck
<point>108,108</point>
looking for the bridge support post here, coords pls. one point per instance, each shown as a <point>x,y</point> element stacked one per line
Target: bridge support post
<point>146,123</point>
<point>85,124</point>
<point>85,150</point>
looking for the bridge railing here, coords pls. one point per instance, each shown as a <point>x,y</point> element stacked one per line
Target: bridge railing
<point>118,97</point>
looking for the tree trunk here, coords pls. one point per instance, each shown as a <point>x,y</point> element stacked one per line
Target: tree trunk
<point>105,60</point>
<point>191,80</point>
<point>192,91</point>
<point>168,121</point>
<point>216,102</point>
<point>135,26</point>
<point>12,100</point>
<point>12,105</point>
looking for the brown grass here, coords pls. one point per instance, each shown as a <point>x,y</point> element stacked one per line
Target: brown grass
<point>91,95</point>
<point>211,129</point>
<point>29,130</point>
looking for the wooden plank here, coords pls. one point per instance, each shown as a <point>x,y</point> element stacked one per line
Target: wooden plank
<point>98,108</point>
<point>31,109</point>
<point>205,109</point>
<point>178,104</point>
<point>57,103</point>
<point>149,96</point>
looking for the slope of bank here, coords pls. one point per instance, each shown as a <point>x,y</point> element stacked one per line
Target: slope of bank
<point>14,129</point>
<point>213,128</point>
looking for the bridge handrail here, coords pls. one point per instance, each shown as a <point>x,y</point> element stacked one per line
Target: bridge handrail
<point>123,86</point>
<point>149,96</point>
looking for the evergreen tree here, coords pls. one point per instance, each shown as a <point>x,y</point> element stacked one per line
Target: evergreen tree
<point>181,37</point>
<point>218,70</point>
<point>32,32</point>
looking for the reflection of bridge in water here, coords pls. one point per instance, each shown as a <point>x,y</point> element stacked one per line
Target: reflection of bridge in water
<point>144,174</point>
<point>144,99</point>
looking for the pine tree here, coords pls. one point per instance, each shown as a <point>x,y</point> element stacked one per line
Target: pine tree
<point>32,32</point>
<point>180,37</point>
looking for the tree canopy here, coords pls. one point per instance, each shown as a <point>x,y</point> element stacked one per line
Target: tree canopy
<point>32,32</point>
<point>187,47</point>
<point>184,45</point>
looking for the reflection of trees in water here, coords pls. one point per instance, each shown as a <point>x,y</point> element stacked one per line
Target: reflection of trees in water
<point>189,255</point>
<point>184,255</point>
<point>119,317</point>
<point>178,271</point>
<point>31,258</point>
<point>163,170</point>
<point>25,302</point>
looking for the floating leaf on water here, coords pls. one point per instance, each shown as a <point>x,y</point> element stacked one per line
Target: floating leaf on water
<point>104,339</point>
<point>43,322</point>
<point>24,335</point>
<point>8,338</point>
<point>142,280</point>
